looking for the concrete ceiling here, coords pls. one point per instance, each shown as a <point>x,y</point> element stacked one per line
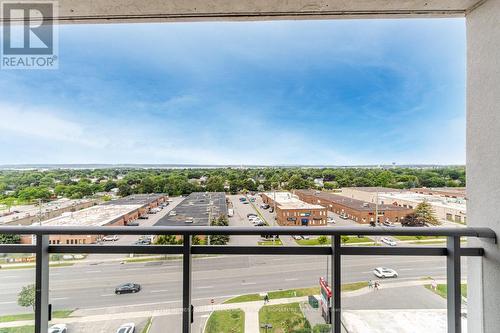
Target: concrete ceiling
<point>99,11</point>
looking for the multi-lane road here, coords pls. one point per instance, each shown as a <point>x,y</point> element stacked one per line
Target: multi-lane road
<point>87,286</point>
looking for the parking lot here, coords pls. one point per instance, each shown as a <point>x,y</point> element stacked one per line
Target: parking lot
<point>196,209</point>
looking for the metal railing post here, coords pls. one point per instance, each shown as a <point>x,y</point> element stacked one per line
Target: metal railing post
<point>336,285</point>
<point>454,297</point>
<point>42,284</point>
<point>186,285</point>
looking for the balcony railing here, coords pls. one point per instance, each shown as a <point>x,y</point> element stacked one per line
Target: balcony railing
<point>453,252</point>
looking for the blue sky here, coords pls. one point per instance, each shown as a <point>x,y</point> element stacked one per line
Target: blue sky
<point>342,92</point>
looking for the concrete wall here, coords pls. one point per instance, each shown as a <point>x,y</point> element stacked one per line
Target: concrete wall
<point>483,162</point>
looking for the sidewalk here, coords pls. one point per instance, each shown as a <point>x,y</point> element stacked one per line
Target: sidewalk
<point>251,309</point>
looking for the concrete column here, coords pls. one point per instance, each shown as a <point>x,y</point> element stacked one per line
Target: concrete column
<point>483,162</point>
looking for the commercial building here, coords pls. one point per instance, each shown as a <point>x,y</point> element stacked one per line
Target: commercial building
<point>445,208</point>
<point>448,203</point>
<point>356,210</point>
<point>197,209</point>
<point>112,213</point>
<point>368,194</point>
<point>449,192</point>
<point>291,211</point>
<point>29,214</point>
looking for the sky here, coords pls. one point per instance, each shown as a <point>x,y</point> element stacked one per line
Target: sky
<point>340,92</point>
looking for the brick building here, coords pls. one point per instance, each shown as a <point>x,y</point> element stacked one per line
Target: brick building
<point>291,211</point>
<point>356,210</point>
<point>112,213</point>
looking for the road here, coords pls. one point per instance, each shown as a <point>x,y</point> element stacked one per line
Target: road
<point>92,286</point>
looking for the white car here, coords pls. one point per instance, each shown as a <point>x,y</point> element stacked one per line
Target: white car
<point>172,213</point>
<point>330,220</point>
<point>297,237</point>
<point>126,328</point>
<point>388,241</point>
<point>59,328</point>
<point>384,272</point>
<point>110,238</point>
<point>305,237</point>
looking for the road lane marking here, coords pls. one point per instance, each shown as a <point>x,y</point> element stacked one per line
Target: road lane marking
<point>7,303</point>
<point>248,283</point>
<point>206,287</point>
<point>107,295</point>
<point>158,291</point>
<point>294,279</point>
<point>93,271</point>
<point>59,298</point>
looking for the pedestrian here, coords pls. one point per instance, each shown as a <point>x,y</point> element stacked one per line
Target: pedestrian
<point>434,285</point>
<point>266,299</point>
<point>376,285</point>
<point>370,284</point>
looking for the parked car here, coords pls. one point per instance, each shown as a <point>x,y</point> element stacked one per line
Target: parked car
<point>388,241</point>
<point>297,237</point>
<point>271,210</point>
<point>264,206</point>
<point>243,199</point>
<point>344,217</point>
<point>384,272</point>
<point>260,224</point>
<point>110,238</point>
<point>305,237</point>
<point>251,214</point>
<point>143,217</point>
<point>128,288</point>
<point>133,224</point>
<point>126,328</point>
<point>172,213</point>
<point>59,328</point>
<point>388,224</point>
<point>330,220</point>
<point>143,242</point>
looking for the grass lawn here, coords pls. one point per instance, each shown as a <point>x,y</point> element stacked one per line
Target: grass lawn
<point>227,321</point>
<point>409,238</point>
<point>292,293</point>
<point>283,318</point>
<point>31,316</point>
<point>441,289</point>
<point>277,242</point>
<point>350,239</point>
<point>21,329</point>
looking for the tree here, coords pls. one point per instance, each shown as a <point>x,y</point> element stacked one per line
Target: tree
<point>423,215</point>
<point>215,184</point>
<point>221,221</point>
<point>322,240</point>
<point>167,240</point>
<point>9,239</point>
<point>26,297</point>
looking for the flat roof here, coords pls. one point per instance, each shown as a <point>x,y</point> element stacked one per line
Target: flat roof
<point>95,216</point>
<point>349,202</point>
<point>197,206</point>
<point>373,189</point>
<point>287,200</point>
<point>135,199</point>
<point>417,198</point>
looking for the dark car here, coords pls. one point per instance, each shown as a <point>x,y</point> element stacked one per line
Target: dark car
<point>133,224</point>
<point>143,217</point>
<point>128,288</point>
